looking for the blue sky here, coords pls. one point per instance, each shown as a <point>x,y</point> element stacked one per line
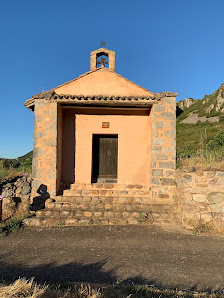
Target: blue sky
<point>162,45</point>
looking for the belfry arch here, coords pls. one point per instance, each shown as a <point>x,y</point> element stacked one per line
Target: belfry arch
<point>102,52</point>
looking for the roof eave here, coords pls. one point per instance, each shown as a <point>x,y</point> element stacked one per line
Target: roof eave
<point>30,104</point>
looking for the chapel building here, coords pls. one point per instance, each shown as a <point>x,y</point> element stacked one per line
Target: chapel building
<point>102,131</point>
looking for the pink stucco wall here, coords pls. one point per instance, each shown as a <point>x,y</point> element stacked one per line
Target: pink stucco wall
<point>134,146</point>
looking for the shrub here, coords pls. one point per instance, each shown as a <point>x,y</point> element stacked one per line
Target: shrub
<point>217,142</point>
<point>14,224</point>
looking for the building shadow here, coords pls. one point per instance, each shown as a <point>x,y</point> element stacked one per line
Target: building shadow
<point>71,272</point>
<point>93,273</point>
<point>39,201</point>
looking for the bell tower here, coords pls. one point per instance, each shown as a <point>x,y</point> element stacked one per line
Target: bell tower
<point>95,62</point>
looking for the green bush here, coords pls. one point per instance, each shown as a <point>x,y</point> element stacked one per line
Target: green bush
<point>217,142</point>
<point>11,225</point>
<point>221,118</point>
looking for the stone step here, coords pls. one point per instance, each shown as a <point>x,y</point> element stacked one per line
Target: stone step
<point>106,192</point>
<point>92,208</point>
<point>107,199</point>
<point>56,217</point>
<point>73,207</point>
<point>82,212</point>
<point>71,221</point>
<point>106,202</point>
<point>108,186</point>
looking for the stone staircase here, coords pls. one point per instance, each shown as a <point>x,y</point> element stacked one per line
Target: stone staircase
<point>105,203</point>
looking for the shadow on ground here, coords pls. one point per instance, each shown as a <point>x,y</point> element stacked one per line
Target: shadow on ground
<point>77,273</point>
<point>72,272</point>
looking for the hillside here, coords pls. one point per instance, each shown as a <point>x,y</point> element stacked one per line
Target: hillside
<point>198,121</point>
<point>17,162</point>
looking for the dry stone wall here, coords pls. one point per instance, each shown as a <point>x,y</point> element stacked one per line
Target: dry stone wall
<point>200,195</point>
<point>16,195</point>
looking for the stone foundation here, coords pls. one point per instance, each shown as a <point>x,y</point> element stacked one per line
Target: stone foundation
<point>194,199</point>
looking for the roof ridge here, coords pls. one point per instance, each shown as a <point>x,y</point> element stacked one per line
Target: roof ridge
<point>75,79</point>
<point>134,83</point>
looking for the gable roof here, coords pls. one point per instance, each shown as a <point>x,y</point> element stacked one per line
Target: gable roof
<point>101,87</point>
<point>104,82</point>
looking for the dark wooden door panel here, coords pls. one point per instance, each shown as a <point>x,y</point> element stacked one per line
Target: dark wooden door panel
<point>108,157</point>
<point>105,151</point>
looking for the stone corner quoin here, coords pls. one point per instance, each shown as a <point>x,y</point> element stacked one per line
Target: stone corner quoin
<point>44,147</point>
<point>163,145</point>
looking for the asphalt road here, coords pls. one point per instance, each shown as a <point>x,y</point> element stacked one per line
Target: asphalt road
<point>110,254</point>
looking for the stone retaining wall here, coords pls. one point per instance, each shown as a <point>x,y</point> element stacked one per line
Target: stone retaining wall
<point>16,192</point>
<point>200,196</point>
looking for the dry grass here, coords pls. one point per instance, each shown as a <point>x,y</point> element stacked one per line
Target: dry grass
<point>28,289</point>
<point>10,172</point>
<point>6,173</point>
<point>22,288</point>
<point>201,162</point>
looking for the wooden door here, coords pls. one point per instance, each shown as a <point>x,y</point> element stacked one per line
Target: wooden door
<point>105,151</point>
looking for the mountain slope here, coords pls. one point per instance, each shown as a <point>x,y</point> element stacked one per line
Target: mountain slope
<point>198,121</point>
<point>16,162</point>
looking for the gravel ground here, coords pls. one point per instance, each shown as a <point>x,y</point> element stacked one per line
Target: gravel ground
<point>164,257</point>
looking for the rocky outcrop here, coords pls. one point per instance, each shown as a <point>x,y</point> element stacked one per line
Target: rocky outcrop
<point>217,101</point>
<point>186,103</point>
<point>16,195</point>
<point>209,106</point>
<point>220,100</point>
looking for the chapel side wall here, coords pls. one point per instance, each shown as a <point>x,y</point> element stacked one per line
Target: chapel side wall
<point>150,135</point>
<point>44,168</point>
<point>59,149</point>
<point>68,146</point>
<point>163,183</point>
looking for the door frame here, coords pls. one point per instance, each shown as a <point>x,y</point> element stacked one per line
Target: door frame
<point>103,180</point>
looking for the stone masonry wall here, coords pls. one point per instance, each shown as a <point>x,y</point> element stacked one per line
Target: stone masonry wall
<point>16,196</point>
<point>200,196</point>
<point>44,173</point>
<point>164,148</point>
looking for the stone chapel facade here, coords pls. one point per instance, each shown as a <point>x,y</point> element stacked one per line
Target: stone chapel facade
<point>103,145</point>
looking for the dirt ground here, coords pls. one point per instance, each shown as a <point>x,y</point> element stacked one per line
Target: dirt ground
<point>140,254</point>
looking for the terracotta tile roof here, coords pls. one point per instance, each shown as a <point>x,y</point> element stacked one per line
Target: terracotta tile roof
<point>58,97</point>
<point>98,100</point>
